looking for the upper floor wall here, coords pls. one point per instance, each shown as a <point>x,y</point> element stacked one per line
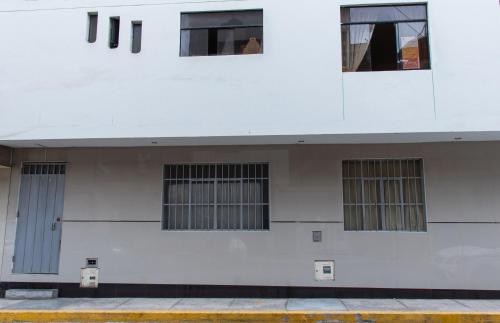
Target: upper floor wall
<point>54,85</point>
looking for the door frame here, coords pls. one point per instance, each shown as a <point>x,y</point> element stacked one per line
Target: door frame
<point>22,165</point>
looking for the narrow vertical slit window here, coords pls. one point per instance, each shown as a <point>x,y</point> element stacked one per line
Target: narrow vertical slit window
<point>92,27</point>
<point>136,36</point>
<point>114,32</point>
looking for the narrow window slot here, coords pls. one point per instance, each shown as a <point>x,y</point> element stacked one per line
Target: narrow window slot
<point>114,32</point>
<point>92,27</point>
<point>136,36</point>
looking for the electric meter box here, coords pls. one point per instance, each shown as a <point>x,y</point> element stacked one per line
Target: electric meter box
<point>89,278</point>
<point>324,270</point>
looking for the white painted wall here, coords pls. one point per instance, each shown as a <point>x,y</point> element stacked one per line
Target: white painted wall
<point>54,85</point>
<point>105,187</point>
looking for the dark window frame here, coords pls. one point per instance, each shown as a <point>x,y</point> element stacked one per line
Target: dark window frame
<point>401,197</point>
<point>92,24</point>
<point>114,32</point>
<point>395,22</point>
<point>135,44</point>
<point>228,27</point>
<point>216,174</point>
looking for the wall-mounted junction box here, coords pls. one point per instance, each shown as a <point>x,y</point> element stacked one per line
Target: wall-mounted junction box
<point>324,270</point>
<point>89,275</point>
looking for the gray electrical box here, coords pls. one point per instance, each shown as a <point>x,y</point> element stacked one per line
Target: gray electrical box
<point>317,236</point>
<point>89,275</point>
<point>324,270</point>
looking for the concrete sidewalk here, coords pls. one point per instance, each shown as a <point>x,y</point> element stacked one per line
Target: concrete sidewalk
<point>248,310</point>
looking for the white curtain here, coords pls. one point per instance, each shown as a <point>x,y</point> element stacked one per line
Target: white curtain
<point>226,36</point>
<point>358,42</point>
<point>185,42</point>
<point>358,37</point>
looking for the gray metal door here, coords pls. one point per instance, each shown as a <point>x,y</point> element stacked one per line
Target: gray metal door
<point>38,233</point>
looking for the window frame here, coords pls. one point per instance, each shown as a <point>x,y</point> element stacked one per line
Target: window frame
<point>92,32</point>
<point>394,22</point>
<point>220,27</point>
<point>114,30</point>
<point>133,40</point>
<point>214,180</point>
<point>423,193</point>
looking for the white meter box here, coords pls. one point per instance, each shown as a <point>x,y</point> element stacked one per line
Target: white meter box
<point>89,277</point>
<point>324,270</point>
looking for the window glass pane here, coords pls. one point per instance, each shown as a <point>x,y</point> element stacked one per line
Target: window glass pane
<point>352,191</point>
<point>412,191</point>
<point>136,36</point>
<point>372,218</point>
<point>372,191</point>
<point>413,45</point>
<point>92,32</point>
<point>355,47</point>
<point>393,218</point>
<point>383,14</point>
<point>353,218</point>
<point>194,42</point>
<point>392,192</point>
<point>221,19</point>
<point>248,40</point>
<point>225,41</point>
<point>114,32</point>
<point>239,41</point>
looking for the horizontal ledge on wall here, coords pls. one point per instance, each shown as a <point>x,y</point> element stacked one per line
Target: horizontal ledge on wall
<point>471,222</point>
<point>318,222</point>
<point>112,221</point>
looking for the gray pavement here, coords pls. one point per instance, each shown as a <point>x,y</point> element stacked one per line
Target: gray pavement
<point>242,304</point>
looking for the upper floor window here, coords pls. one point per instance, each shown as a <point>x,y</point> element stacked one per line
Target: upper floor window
<point>384,195</point>
<point>384,38</point>
<point>221,33</point>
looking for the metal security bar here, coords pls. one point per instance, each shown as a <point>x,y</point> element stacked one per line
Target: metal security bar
<point>44,168</point>
<point>216,197</point>
<point>384,195</point>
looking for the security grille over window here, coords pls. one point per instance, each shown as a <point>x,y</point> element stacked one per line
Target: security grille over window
<point>384,195</point>
<point>216,197</point>
<point>45,168</point>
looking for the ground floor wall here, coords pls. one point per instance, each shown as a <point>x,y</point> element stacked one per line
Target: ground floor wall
<point>113,210</point>
<point>4,200</point>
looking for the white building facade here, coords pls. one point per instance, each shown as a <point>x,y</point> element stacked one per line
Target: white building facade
<point>237,143</point>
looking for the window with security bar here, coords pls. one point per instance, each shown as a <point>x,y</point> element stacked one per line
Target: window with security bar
<point>384,195</point>
<point>216,197</point>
